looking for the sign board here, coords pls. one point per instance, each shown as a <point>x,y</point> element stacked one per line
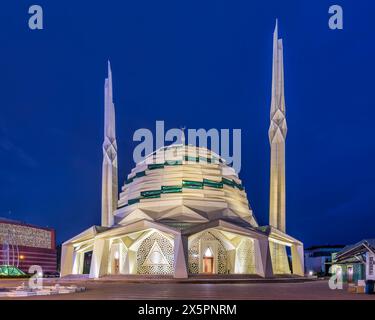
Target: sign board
<point>370,266</point>
<point>23,235</point>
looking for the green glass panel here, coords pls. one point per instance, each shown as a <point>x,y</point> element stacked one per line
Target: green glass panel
<point>192,184</point>
<point>155,166</point>
<point>228,182</point>
<point>171,189</point>
<point>192,159</point>
<point>150,193</point>
<point>176,190</point>
<point>203,159</point>
<point>173,162</point>
<point>130,180</point>
<point>132,201</point>
<point>239,186</point>
<point>212,184</point>
<point>151,196</point>
<point>140,174</point>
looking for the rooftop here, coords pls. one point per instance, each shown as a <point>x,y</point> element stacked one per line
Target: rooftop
<point>326,246</point>
<point>356,249</point>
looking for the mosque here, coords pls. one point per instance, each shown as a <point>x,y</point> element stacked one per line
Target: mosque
<point>183,211</point>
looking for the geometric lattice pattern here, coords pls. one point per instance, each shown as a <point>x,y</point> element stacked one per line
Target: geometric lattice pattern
<point>245,257</point>
<point>194,254</point>
<point>25,236</point>
<point>156,245</point>
<point>279,258</point>
<point>155,256</point>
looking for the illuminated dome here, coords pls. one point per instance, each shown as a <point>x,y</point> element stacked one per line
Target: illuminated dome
<point>183,185</point>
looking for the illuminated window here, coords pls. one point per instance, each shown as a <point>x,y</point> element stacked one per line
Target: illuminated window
<point>208,253</point>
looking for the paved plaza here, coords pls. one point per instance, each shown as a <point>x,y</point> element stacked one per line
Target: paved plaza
<point>119,289</point>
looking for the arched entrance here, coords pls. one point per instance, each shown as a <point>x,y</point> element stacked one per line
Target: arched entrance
<point>207,254</point>
<point>208,261</point>
<point>116,263</point>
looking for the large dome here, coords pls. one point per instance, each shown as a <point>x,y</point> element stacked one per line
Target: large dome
<point>182,185</point>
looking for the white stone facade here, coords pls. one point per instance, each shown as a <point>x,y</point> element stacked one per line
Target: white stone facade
<point>183,211</point>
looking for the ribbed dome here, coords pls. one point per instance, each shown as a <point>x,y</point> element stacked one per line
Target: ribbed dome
<point>183,185</point>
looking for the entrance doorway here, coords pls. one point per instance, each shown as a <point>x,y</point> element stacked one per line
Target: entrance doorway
<point>350,274</point>
<point>116,266</point>
<point>87,262</point>
<point>116,263</point>
<point>208,261</point>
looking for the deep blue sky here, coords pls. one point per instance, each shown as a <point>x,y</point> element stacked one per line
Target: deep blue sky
<point>202,64</point>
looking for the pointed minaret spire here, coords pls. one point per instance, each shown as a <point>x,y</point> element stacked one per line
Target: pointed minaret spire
<point>109,108</point>
<point>277,135</point>
<point>109,169</point>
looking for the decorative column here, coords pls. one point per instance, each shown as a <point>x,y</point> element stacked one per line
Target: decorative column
<point>263,263</point>
<point>298,260</point>
<point>99,262</point>
<point>67,253</point>
<point>180,249</point>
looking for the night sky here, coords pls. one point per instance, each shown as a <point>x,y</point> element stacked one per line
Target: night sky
<point>199,64</point>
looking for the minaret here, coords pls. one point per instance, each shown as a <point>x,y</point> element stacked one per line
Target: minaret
<point>277,135</point>
<point>109,170</point>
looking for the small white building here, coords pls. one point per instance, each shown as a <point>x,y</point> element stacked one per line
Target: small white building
<point>356,262</point>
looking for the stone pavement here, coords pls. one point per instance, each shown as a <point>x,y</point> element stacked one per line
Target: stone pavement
<point>120,289</point>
